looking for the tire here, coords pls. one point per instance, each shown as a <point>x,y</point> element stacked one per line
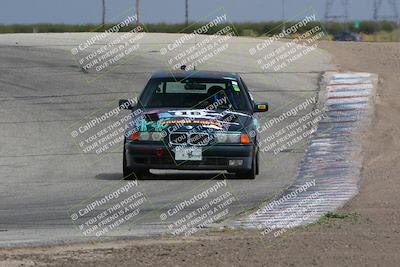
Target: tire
<point>132,174</point>
<point>257,164</point>
<point>136,174</point>
<point>250,174</point>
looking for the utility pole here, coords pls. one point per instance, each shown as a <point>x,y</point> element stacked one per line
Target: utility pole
<point>283,15</point>
<point>187,12</point>
<point>329,4</point>
<point>103,18</point>
<point>393,6</point>
<point>137,12</point>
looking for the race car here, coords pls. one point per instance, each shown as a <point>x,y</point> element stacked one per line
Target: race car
<point>347,36</point>
<point>192,120</point>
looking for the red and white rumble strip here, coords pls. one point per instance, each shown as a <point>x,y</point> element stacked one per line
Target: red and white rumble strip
<point>329,173</point>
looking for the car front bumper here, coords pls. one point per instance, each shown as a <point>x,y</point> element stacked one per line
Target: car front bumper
<point>217,157</point>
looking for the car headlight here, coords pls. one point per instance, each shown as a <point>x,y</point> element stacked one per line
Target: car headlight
<point>150,136</point>
<point>221,137</point>
<point>156,136</point>
<point>227,138</point>
<point>144,136</point>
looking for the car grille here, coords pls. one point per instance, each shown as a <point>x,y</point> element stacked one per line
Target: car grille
<point>178,138</point>
<point>194,139</point>
<point>200,139</point>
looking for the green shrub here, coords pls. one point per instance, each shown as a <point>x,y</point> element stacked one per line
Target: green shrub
<point>244,28</point>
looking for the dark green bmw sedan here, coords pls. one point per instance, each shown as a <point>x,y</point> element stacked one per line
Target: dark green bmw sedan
<point>192,120</point>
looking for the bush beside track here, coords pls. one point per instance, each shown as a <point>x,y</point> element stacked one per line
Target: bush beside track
<point>382,30</point>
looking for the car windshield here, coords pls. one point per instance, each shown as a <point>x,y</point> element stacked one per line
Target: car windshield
<point>195,94</point>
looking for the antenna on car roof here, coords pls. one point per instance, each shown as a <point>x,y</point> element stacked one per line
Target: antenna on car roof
<point>183,67</point>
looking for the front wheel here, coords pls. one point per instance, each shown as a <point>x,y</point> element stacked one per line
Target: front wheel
<point>250,174</point>
<point>136,174</point>
<point>132,174</point>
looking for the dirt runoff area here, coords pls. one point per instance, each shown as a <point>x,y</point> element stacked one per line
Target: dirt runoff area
<point>366,232</point>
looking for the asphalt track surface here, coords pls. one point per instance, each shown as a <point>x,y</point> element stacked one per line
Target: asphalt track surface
<point>43,174</point>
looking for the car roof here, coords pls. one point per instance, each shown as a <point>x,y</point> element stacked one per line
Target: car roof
<point>200,74</point>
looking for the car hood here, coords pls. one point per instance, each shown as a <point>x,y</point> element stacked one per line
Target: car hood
<point>184,120</point>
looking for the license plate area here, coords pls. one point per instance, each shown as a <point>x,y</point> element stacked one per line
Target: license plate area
<point>188,153</point>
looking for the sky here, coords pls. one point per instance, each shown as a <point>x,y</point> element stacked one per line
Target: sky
<point>89,11</point>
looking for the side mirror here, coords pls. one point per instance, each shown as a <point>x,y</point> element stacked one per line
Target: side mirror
<point>126,104</point>
<point>261,107</point>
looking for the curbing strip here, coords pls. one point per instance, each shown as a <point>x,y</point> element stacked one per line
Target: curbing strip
<point>332,162</point>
